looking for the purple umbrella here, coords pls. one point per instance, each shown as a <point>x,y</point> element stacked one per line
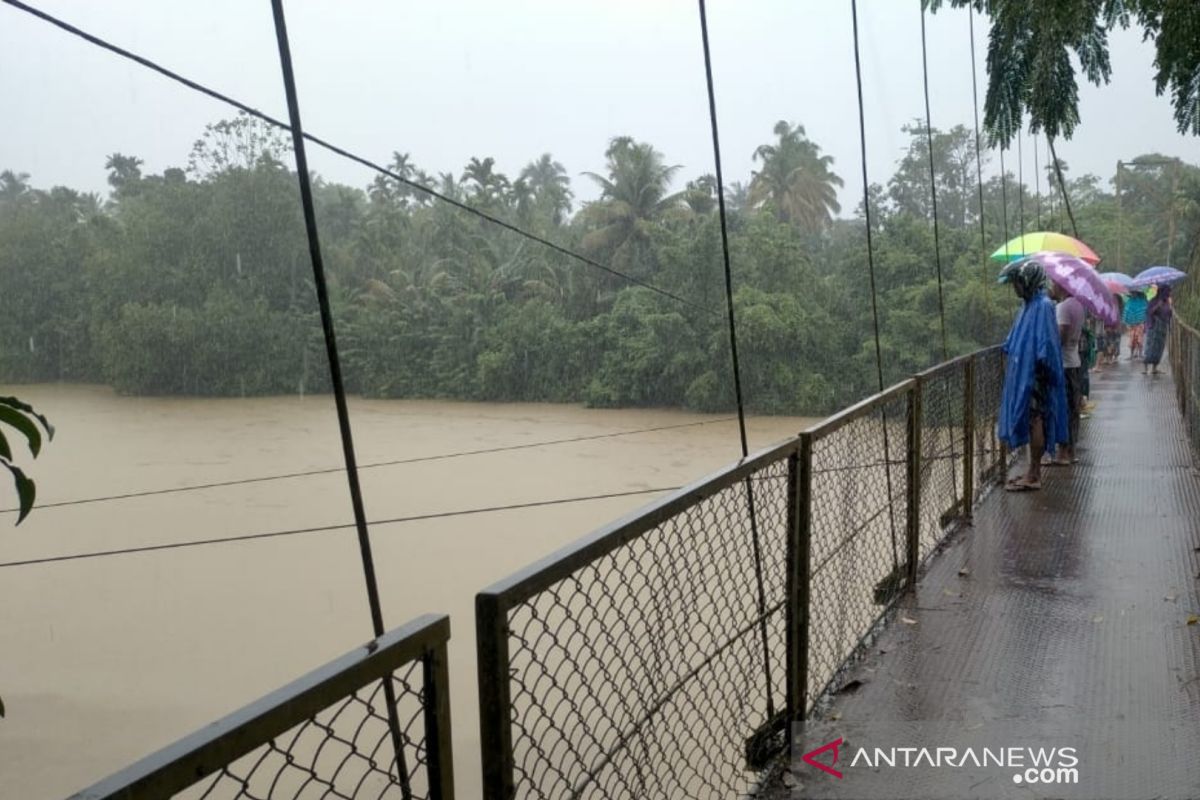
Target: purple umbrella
<point>1157,276</point>
<point>1080,280</point>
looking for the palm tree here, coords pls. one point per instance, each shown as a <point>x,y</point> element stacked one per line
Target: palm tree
<point>490,187</point>
<point>701,195</point>
<point>13,186</point>
<point>796,180</point>
<point>551,187</point>
<point>632,197</point>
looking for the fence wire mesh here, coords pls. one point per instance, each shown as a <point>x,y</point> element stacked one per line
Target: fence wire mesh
<point>339,732</point>
<point>642,673</point>
<point>859,519</point>
<point>345,752</point>
<point>651,659</point>
<point>1185,364</point>
<point>990,460</point>
<point>943,450</point>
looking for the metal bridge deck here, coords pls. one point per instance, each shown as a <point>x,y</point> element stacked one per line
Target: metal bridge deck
<point>1065,609</point>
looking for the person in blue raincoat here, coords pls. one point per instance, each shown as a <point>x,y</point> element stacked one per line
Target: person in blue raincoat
<point>1033,405</point>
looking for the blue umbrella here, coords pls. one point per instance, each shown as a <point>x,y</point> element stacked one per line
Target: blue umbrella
<point>1157,276</point>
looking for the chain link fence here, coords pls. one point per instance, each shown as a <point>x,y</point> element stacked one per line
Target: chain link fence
<point>639,662</point>
<point>664,655</point>
<point>372,724</point>
<point>1185,364</point>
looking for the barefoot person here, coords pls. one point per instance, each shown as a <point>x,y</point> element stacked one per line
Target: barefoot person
<point>1033,406</point>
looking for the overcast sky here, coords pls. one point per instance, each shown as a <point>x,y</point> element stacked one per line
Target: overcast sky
<point>452,79</point>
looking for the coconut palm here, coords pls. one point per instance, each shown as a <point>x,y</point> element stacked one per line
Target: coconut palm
<point>632,197</point>
<point>551,187</point>
<point>795,180</point>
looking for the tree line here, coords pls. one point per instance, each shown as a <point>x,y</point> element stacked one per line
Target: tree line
<point>197,281</point>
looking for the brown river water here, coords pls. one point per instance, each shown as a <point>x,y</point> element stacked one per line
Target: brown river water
<point>105,659</point>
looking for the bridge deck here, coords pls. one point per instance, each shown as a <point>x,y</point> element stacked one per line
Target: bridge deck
<point>1066,608</point>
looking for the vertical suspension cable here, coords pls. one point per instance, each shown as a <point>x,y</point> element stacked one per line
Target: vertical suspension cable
<point>862,138</point>
<point>1020,183</point>
<point>1004,201</point>
<point>1037,182</point>
<point>983,247</point>
<point>937,245</point>
<point>335,374</point>
<point>733,352</point>
<point>1062,187</point>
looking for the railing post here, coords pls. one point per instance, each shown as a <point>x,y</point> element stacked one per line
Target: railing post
<point>914,479</point>
<point>495,701</point>
<point>968,498</point>
<point>440,758</point>
<point>799,587</point>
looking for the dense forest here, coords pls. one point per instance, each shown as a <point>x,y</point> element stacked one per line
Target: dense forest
<point>197,280</point>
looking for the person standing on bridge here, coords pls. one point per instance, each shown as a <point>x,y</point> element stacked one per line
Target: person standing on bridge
<point>1033,405</point>
<point>1158,324</point>
<point>1134,318</point>
<point>1071,317</point>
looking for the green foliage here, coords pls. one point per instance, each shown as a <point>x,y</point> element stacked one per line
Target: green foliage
<point>1030,50</point>
<point>197,281</point>
<point>19,417</point>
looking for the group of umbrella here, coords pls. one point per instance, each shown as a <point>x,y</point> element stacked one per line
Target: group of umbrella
<point>1040,403</point>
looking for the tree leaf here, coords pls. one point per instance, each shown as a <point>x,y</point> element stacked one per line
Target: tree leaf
<point>20,405</point>
<point>26,490</point>
<point>23,424</point>
<point>1,708</point>
<point>5,450</point>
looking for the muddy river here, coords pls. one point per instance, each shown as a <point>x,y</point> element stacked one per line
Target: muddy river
<point>107,657</point>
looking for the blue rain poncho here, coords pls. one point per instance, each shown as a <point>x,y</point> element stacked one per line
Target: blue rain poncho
<point>1034,362</point>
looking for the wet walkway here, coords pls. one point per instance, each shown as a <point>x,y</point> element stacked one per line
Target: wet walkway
<point>1066,610</point>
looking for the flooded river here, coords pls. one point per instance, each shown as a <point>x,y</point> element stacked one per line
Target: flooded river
<point>108,657</point>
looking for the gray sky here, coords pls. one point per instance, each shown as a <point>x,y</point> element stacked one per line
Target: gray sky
<point>452,79</point>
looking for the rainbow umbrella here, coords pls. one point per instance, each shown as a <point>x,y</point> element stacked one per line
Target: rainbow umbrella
<point>1157,276</point>
<point>1043,241</point>
<point>1117,282</point>
<point>1080,280</point>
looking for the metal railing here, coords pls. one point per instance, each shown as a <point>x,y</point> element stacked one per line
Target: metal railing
<point>665,654</point>
<point>329,734</point>
<point>1185,365</point>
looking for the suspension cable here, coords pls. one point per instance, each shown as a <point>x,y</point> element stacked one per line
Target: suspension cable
<point>1004,200</point>
<point>346,154</point>
<point>733,352</point>
<point>373,465</point>
<point>1037,182</point>
<point>983,246</point>
<point>331,349</point>
<point>1020,184</point>
<point>937,244</point>
<point>1062,186</point>
<point>862,138</point>
<point>249,537</point>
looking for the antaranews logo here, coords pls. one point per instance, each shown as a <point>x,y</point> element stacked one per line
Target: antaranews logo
<point>1025,764</point>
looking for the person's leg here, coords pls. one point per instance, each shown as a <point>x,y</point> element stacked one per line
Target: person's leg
<point>1077,391</point>
<point>1037,445</point>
